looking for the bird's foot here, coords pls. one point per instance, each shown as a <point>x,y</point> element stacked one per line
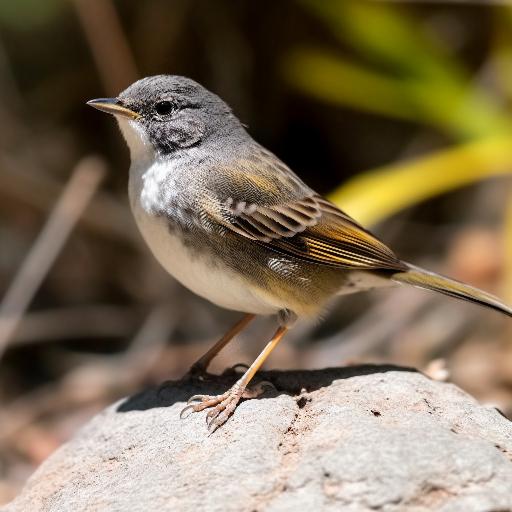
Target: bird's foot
<point>222,406</point>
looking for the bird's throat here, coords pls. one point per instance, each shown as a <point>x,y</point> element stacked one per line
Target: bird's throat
<point>141,149</point>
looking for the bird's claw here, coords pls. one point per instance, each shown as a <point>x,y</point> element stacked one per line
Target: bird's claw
<point>222,406</point>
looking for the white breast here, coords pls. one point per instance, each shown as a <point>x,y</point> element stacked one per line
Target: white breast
<point>215,283</point>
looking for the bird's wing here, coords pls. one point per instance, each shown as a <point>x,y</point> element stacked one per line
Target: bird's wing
<point>310,228</point>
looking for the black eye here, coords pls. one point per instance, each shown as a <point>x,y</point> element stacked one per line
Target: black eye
<point>164,107</point>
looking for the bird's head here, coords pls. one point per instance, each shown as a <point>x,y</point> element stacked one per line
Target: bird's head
<point>166,113</point>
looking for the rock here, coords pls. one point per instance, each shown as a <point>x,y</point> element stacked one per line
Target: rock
<point>359,439</point>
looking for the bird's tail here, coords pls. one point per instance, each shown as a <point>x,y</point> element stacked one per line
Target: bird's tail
<point>416,276</point>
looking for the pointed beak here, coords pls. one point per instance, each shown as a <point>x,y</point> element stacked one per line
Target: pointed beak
<point>113,106</point>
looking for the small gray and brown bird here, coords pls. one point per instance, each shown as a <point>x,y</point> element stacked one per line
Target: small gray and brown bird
<point>235,225</point>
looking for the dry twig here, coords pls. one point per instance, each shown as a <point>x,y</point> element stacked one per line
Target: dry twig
<point>70,206</point>
<point>108,44</point>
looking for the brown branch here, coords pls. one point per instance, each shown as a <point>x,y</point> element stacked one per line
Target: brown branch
<point>108,44</point>
<point>74,199</point>
<point>33,185</point>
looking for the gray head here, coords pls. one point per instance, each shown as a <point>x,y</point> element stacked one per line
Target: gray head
<point>169,113</point>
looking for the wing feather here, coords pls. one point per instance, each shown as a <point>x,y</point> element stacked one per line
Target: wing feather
<point>313,229</point>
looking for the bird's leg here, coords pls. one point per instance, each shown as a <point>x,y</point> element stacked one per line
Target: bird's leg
<point>223,405</point>
<point>201,365</point>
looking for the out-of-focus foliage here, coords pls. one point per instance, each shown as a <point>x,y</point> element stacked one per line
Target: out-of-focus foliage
<point>406,71</point>
<point>378,194</point>
<point>507,288</point>
<point>27,15</point>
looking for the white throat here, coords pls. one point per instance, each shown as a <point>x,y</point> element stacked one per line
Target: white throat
<point>143,158</point>
<point>141,149</point>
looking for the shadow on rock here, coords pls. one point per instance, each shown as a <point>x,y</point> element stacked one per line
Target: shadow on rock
<point>290,382</point>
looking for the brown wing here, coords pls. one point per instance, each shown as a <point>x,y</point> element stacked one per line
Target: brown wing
<point>312,229</point>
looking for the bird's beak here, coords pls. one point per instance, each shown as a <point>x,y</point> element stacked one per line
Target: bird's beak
<point>113,106</point>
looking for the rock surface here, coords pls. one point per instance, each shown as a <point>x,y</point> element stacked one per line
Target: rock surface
<point>359,439</point>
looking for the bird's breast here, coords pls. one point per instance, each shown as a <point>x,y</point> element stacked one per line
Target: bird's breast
<point>187,257</point>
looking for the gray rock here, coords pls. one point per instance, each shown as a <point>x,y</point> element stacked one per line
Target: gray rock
<point>359,439</point>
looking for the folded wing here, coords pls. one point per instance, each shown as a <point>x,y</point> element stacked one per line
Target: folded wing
<point>313,229</point>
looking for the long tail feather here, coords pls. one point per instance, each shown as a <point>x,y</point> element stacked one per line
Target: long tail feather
<point>416,276</point>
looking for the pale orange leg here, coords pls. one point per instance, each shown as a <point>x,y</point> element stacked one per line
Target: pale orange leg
<point>224,405</point>
<point>201,365</point>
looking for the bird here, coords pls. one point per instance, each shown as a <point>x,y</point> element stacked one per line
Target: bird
<point>235,225</point>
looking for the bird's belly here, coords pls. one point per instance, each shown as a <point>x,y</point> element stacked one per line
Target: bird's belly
<point>196,271</point>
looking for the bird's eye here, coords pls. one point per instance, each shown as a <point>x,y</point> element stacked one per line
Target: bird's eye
<point>164,107</point>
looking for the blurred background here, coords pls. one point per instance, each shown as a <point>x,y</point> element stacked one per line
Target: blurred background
<point>400,112</point>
